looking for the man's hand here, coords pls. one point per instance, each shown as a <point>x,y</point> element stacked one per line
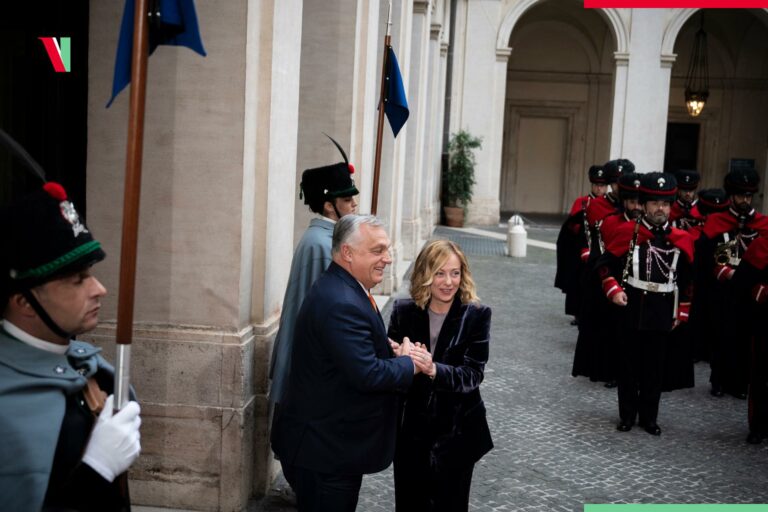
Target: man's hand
<point>114,443</point>
<point>401,349</point>
<point>620,299</point>
<point>614,292</point>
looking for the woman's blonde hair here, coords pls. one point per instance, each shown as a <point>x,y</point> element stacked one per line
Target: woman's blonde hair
<point>431,258</point>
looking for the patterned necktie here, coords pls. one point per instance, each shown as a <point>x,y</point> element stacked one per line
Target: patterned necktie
<point>373,302</point>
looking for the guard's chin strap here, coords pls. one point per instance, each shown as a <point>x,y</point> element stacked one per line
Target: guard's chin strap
<point>332,200</point>
<point>44,315</point>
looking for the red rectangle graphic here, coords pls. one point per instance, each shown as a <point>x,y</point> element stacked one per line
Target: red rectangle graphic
<point>660,4</point>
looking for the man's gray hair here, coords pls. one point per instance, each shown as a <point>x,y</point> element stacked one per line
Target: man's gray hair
<point>348,228</point>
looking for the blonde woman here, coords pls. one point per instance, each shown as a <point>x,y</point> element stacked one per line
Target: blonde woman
<point>444,430</point>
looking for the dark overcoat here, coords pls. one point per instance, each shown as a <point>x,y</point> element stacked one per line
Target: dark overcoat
<point>447,414</point>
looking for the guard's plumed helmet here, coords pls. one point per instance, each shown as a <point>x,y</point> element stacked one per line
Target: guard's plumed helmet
<point>657,186</point>
<point>615,168</point>
<point>712,200</point>
<point>687,179</point>
<point>45,239</point>
<point>741,181</point>
<point>326,183</point>
<point>629,186</point>
<point>597,175</point>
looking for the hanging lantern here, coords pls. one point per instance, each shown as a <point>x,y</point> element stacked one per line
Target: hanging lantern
<point>697,79</point>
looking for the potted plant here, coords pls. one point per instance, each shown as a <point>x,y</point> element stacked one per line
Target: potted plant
<point>459,176</point>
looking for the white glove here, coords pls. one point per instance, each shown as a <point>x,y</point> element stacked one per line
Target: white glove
<point>114,443</point>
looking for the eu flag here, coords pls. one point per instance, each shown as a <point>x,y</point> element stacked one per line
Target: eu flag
<point>395,102</point>
<point>176,25</point>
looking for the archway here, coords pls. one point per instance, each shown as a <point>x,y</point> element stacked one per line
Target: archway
<point>557,102</point>
<point>731,129</point>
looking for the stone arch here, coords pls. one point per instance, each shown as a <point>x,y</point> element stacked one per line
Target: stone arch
<point>587,45</point>
<point>619,30</point>
<point>676,23</point>
<point>673,29</point>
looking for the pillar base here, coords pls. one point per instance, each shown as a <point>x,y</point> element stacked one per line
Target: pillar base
<point>205,414</point>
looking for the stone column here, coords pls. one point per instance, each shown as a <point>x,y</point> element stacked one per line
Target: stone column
<point>272,97</point>
<point>620,78</point>
<point>440,141</point>
<point>418,102</point>
<point>219,133</point>
<point>365,96</point>
<point>433,132</point>
<point>481,76</point>
<point>647,93</point>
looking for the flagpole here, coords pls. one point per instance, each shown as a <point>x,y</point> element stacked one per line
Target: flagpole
<point>131,197</point>
<point>380,129</point>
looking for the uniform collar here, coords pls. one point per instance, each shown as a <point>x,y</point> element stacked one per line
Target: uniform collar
<point>653,228</point>
<point>326,219</point>
<point>742,216</point>
<point>33,341</point>
<point>68,369</point>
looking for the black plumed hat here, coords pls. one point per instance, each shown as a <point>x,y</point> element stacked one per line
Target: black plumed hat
<point>597,175</point>
<point>687,179</point>
<point>615,168</point>
<point>324,183</point>
<point>712,200</point>
<point>45,239</point>
<point>741,181</point>
<point>657,186</point>
<point>629,186</point>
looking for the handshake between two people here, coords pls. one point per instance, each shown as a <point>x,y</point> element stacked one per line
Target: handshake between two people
<point>422,359</point>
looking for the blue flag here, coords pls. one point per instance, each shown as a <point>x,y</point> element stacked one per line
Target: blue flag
<point>395,102</point>
<point>176,26</point>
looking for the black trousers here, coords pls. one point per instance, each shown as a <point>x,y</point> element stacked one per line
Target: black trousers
<point>758,386</point>
<point>640,374</point>
<point>323,492</point>
<point>418,488</point>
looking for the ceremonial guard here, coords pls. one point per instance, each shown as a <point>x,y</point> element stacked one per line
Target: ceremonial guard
<point>725,237</point>
<point>591,359</point>
<point>685,215</point>
<point>601,207</point>
<point>750,285</point>
<point>63,446</point>
<point>646,272</point>
<point>710,200</point>
<point>685,212</point>
<point>629,195</point>
<point>598,354</point>
<point>330,192</point>
<point>573,235</point>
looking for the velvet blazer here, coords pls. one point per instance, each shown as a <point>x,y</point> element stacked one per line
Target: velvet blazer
<point>447,413</point>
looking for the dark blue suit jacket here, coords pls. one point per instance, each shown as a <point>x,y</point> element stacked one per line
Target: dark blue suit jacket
<point>341,408</point>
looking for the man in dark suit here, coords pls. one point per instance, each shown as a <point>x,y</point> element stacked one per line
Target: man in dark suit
<point>340,411</point>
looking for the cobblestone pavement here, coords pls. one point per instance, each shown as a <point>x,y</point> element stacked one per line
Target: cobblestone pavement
<point>556,443</point>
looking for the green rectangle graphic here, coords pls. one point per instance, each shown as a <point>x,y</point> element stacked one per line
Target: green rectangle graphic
<point>66,53</point>
<point>640,507</point>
